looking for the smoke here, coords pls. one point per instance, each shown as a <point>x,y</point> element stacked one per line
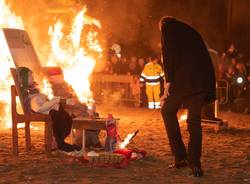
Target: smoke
<point>131,23</point>
<point>112,98</point>
<point>127,23</point>
<point>37,20</point>
<point>134,23</point>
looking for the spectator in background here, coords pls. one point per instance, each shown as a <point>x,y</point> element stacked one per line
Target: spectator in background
<point>116,64</point>
<point>143,96</point>
<point>221,71</point>
<point>108,68</point>
<point>230,74</point>
<point>124,66</point>
<point>133,67</point>
<point>241,69</point>
<point>141,64</point>
<point>231,55</point>
<point>248,67</point>
<point>133,59</point>
<point>232,52</point>
<point>233,62</point>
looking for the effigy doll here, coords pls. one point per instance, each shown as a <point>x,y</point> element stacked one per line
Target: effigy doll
<point>35,101</point>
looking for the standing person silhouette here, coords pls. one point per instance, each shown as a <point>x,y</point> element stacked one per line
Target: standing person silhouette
<point>190,81</point>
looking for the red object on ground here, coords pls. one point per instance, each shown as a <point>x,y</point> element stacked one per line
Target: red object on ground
<point>128,153</point>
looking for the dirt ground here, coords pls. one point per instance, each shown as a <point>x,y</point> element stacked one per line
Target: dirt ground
<point>226,154</point>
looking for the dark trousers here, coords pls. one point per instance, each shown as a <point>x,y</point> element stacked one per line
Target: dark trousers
<point>169,111</point>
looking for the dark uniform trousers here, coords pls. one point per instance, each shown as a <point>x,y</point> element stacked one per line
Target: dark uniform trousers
<point>169,111</point>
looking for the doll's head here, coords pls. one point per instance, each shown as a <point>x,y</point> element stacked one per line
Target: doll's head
<point>26,81</point>
<point>25,78</point>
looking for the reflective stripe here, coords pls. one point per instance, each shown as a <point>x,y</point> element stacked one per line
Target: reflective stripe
<point>143,75</point>
<point>157,105</point>
<point>151,105</point>
<point>152,77</point>
<point>162,75</point>
<point>152,83</point>
<point>141,79</point>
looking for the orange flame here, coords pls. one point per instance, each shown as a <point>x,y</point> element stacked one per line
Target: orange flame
<point>66,52</point>
<point>7,20</point>
<point>74,59</point>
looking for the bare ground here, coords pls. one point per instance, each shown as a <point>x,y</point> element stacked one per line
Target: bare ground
<point>226,154</point>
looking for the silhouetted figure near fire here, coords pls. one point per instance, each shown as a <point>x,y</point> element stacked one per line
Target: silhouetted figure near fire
<point>190,81</point>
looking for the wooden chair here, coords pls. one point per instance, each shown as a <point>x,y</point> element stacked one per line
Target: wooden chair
<point>27,118</point>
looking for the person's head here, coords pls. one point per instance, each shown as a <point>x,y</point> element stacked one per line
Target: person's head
<point>154,59</point>
<point>25,78</point>
<point>141,62</point>
<point>132,65</point>
<point>133,59</point>
<point>164,20</point>
<point>231,48</point>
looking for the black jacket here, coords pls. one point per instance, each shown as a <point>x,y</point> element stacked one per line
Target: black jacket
<point>186,60</point>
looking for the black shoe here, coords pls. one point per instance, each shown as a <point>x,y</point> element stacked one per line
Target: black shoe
<point>197,171</point>
<point>179,164</point>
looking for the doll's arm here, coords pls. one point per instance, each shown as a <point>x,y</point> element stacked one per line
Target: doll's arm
<point>44,106</point>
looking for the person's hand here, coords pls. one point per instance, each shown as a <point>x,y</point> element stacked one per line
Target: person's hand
<point>166,94</point>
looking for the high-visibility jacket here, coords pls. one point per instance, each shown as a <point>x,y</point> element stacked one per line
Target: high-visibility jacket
<point>152,74</point>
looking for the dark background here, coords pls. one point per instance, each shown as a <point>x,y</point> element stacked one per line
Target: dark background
<point>134,23</point>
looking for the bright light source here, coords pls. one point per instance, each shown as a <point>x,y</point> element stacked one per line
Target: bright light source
<point>240,80</point>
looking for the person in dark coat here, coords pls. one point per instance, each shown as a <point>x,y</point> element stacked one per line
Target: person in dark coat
<point>190,81</point>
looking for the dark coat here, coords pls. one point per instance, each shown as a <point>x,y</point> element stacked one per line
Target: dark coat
<point>186,60</point>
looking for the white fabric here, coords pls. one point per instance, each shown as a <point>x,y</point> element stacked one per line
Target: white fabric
<point>151,105</point>
<point>157,105</point>
<point>40,103</point>
<point>152,77</point>
<point>141,79</point>
<point>152,83</point>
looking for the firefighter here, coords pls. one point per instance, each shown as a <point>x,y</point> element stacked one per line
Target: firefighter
<point>151,75</point>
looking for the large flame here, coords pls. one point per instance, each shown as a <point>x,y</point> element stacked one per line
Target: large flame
<point>74,52</point>
<point>74,59</point>
<point>7,20</point>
